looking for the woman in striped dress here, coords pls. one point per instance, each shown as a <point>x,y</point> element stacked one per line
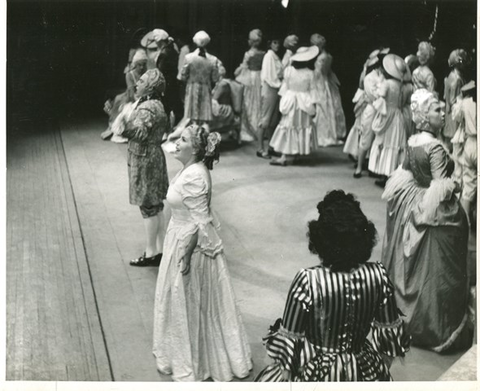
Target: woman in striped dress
<point>331,308</point>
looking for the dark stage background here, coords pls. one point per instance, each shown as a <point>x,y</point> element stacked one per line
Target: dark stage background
<point>63,56</point>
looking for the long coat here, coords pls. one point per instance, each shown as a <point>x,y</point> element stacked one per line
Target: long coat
<point>147,169</point>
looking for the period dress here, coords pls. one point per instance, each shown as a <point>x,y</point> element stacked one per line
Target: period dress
<point>453,85</point>
<point>425,245</point>
<point>252,93</point>
<point>147,169</point>
<point>423,77</point>
<point>330,118</point>
<point>198,331</point>
<point>388,147</point>
<point>295,133</point>
<point>200,74</point>
<point>328,315</point>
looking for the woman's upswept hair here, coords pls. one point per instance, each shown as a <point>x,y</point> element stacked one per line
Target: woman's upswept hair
<point>206,144</point>
<point>342,236</point>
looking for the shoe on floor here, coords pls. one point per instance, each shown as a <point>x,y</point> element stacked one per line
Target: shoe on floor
<point>278,162</point>
<point>263,155</point>
<point>119,139</point>
<point>106,134</point>
<point>147,261</point>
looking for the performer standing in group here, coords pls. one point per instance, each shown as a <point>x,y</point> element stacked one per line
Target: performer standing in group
<point>330,118</point>
<point>331,308</point>
<point>271,75</point>
<point>200,73</point>
<point>147,169</point>
<point>422,76</point>
<point>425,242</point>
<point>388,147</point>
<point>374,77</point>
<point>290,43</point>
<point>464,113</point>
<point>198,331</point>
<point>295,133</point>
<point>453,84</point>
<point>248,74</point>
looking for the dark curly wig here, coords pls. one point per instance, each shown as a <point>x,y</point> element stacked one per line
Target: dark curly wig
<point>342,236</point>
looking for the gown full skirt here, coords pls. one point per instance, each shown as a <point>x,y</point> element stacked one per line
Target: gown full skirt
<point>426,262</point>
<point>198,331</point>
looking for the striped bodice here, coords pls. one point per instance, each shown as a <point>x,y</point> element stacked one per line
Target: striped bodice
<point>334,310</point>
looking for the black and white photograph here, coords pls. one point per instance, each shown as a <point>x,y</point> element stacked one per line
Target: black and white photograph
<point>240,191</point>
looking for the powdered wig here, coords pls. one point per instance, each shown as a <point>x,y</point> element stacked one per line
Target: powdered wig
<point>155,83</point>
<point>457,57</point>
<point>425,53</point>
<point>421,100</point>
<point>342,236</point>
<point>205,144</point>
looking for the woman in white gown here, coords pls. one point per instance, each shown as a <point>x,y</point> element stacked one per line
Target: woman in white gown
<point>198,331</point>
<point>330,118</point>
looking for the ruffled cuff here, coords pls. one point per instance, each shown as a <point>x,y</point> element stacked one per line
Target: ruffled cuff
<point>391,339</point>
<point>292,351</point>
<point>439,205</point>
<point>209,243</point>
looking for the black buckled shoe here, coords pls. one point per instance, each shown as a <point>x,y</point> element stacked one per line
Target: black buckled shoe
<point>147,261</point>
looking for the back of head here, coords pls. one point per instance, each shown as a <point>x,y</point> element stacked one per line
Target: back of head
<point>318,40</point>
<point>342,236</point>
<point>425,53</point>
<point>201,39</point>
<point>255,37</point>
<point>154,82</point>
<point>421,101</point>
<point>291,42</point>
<point>457,58</point>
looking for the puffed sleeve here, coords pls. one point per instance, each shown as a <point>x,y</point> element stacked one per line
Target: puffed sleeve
<point>286,78</point>
<point>440,162</point>
<point>430,82</point>
<point>269,72</point>
<point>457,110</point>
<point>388,328</point>
<point>185,72</point>
<point>195,197</point>
<point>380,120</point>
<point>286,343</point>
<point>140,124</point>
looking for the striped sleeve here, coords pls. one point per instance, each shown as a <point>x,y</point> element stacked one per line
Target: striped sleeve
<point>285,340</point>
<point>388,329</point>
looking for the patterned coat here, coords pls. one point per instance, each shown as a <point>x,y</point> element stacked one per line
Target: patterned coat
<point>147,170</point>
<point>201,74</point>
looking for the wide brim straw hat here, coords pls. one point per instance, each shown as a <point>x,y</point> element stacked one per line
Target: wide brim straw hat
<point>395,66</point>
<point>201,39</point>
<point>148,41</point>
<point>305,53</point>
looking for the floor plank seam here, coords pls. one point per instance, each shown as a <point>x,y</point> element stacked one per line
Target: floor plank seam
<point>61,149</point>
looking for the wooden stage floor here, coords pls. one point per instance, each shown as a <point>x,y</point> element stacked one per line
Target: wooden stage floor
<point>76,311</point>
